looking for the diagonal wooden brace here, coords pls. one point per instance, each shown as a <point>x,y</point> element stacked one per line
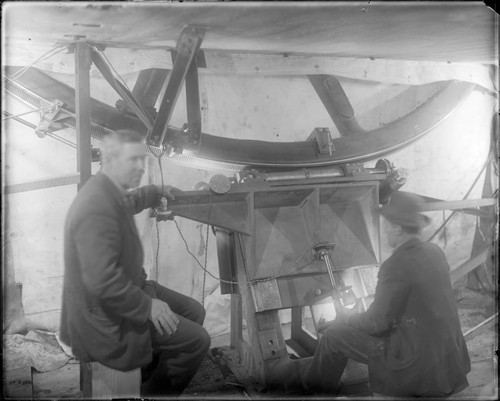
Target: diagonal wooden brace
<point>188,44</point>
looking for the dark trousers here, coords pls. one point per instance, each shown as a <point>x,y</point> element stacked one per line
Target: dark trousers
<point>177,356</point>
<point>339,343</point>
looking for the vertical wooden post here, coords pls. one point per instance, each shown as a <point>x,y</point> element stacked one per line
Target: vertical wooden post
<point>82,110</point>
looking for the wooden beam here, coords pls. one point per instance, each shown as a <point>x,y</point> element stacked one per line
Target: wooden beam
<point>82,111</point>
<point>68,179</point>
<point>468,266</point>
<point>457,205</point>
<point>404,72</point>
<point>225,256</point>
<point>236,321</point>
<point>472,211</point>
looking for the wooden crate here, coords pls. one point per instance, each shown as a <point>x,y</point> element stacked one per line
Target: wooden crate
<point>100,382</point>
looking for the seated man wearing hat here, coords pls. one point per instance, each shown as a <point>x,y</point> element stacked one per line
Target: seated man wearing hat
<point>410,336</point>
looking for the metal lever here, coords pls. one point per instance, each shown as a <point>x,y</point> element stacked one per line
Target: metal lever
<point>343,296</point>
<point>323,252</point>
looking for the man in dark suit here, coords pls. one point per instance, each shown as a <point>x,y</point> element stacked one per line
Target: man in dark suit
<point>410,336</point>
<point>110,312</point>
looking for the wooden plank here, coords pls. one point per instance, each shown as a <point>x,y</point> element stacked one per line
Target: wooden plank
<point>236,320</point>
<point>68,179</point>
<point>472,211</point>
<point>468,266</point>
<point>225,256</point>
<point>251,353</point>
<point>478,329</point>
<point>458,204</point>
<point>82,111</point>
<point>18,383</point>
<point>404,72</point>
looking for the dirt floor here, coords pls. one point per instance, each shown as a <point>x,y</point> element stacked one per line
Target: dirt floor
<point>221,375</point>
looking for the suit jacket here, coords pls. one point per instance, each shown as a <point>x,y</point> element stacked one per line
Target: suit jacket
<point>420,349</point>
<point>104,310</point>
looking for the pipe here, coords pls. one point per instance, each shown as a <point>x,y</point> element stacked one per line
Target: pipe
<point>329,172</point>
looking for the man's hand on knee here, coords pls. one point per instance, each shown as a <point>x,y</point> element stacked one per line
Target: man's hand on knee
<point>164,320</point>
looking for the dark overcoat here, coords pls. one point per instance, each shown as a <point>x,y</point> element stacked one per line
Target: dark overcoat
<point>104,310</point>
<point>420,349</point>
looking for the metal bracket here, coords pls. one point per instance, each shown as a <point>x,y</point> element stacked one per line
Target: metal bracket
<point>48,116</point>
<point>188,44</point>
<point>266,295</point>
<point>324,140</point>
<point>355,170</point>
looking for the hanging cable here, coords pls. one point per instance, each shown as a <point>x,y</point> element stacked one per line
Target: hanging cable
<point>114,70</point>
<point>43,57</point>
<point>22,114</point>
<point>218,278</point>
<point>101,62</point>
<point>204,267</point>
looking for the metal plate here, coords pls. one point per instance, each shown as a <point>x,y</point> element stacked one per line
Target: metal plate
<point>269,344</point>
<point>266,295</point>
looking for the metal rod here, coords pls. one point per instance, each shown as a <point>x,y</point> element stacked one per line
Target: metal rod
<point>328,172</point>
<point>329,267</point>
<point>33,126</point>
<point>318,172</point>
<point>19,115</point>
<point>82,110</point>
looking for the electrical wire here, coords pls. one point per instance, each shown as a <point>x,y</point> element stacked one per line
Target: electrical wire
<point>43,57</point>
<point>121,88</point>
<point>214,276</point>
<point>113,68</point>
<point>22,114</point>
<point>204,267</point>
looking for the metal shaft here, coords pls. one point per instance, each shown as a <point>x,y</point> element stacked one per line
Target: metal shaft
<point>337,283</point>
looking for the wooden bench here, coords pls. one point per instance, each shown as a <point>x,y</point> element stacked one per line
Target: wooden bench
<point>99,382</point>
